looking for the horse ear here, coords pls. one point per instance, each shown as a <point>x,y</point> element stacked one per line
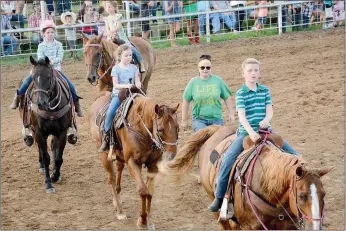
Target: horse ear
<point>33,61</point>
<point>85,36</point>
<point>300,171</point>
<point>247,143</point>
<point>276,139</point>
<point>46,60</point>
<point>174,110</point>
<point>323,171</point>
<point>158,110</point>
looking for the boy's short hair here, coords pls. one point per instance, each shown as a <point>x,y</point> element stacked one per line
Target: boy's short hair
<point>249,61</point>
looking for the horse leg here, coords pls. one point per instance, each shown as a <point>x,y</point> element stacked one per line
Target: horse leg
<point>152,172</point>
<point>41,169</point>
<point>120,166</point>
<point>224,225</point>
<point>135,172</point>
<point>108,165</point>
<point>42,146</point>
<point>58,145</point>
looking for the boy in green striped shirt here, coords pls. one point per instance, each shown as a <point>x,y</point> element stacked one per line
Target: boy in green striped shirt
<point>255,110</point>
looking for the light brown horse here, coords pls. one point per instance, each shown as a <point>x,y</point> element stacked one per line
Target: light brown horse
<point>151,133</point>
<point>280,179</point>
<point>98,55</point>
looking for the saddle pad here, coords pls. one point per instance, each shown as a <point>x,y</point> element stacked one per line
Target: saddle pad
<point>120,115</point>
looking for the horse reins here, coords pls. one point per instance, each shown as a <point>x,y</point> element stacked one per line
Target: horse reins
<point>100,62</point>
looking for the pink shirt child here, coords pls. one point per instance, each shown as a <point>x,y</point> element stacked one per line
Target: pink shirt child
<point>263,12</point>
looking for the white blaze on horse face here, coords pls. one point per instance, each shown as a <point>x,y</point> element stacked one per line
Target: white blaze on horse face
<point>315,208</point>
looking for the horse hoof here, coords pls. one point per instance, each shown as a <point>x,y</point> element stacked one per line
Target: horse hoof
<point>54,179</point>
<point>42,170</point>
<point>140,224</point>
<point>71,139</point>
<point>29,140</point>
<point>50,190</point>
<point>122,216</point>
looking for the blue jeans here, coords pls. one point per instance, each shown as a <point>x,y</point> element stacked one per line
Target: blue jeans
<point>18,18</point>
<point>63,6</point>
<point>284,18</point>
<point>10,44</point>
<point>215,22</point>
<point>50,6</point>
<point>198,124</point>
<point>133,7</point>
<point>113,107</point>
<point>229,20</point>
<point>136,54</point>
<point>22,89</point>
<point>230,157</point>
<point>154,9</point>
<point>306,21</point>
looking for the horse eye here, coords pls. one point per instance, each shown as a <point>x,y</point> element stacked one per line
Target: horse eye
<point>303,196</point>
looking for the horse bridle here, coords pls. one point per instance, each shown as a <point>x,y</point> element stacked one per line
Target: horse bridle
<point>101,60</point>
<point>300,212</point>
<point>158,142</point>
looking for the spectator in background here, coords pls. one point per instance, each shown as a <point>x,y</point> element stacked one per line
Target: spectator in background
<point>35,21</point>
<point>307,11</point>
<point>82,10</point>
<point>190,6</point>
<point>50,6</point>
<point>145,13</point>
<point>338,13</point>
<point>63,6</point>
<point>239,14</point>
<point>153,11</point>
<point>69,19</point>
<point>214,18</point>
<point>262,15</point>
<point>228,18</point>
<point>8,41</point>
<point>317,12</point>
<point>133,6</point>
<point>89,17</point>
<point>296,18</point>
<point>9,9</point>
<point>101,29</point>
<point>171,8</point>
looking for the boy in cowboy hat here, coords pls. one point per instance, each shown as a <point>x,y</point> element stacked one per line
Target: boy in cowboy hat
<point>68,19</point>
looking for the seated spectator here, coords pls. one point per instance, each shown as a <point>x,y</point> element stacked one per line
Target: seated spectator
<point>338,13</point>
<point>35,21</point>
<point>8,41</point>
<point>9,8</point>
<point>228,17</point>
<point>133,6</point>
<point>214,18</point>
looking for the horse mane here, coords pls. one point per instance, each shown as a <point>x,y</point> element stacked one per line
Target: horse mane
<point>144,108</point>
<point>277,169</point>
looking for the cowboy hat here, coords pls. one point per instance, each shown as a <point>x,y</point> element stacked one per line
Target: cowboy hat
<point>47,24</point>
<point>63,17</point>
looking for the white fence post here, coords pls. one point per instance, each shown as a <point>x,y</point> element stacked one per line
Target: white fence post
<point>127,9</point>
<point>43,10</point>
<point>207,21</point>
<point>280,19</point>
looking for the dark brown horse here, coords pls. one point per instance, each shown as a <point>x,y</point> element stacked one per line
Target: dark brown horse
<point>151,132</point>
<point>98,55</point>
<point>282,182</point>
<point>50,114</point>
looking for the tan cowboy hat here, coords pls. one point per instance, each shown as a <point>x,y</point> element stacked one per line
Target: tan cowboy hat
<point>63,15</point>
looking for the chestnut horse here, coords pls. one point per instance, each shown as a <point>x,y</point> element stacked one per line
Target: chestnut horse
<point>150,131</point>
<point>98,55</point>
<point>280,179</point>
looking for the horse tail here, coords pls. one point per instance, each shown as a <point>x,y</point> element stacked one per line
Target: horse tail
<point>184,161</point>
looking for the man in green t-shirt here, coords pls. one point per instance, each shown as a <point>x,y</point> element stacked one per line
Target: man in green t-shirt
<point>206,92</point>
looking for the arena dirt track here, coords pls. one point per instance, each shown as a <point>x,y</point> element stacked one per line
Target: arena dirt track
<point>305,72</point>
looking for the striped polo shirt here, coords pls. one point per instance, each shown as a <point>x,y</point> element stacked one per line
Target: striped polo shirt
<point>254,103</point>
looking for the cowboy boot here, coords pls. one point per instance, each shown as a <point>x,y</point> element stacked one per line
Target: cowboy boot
<point>191,39</point>
<point>78,109</point>
<point>105,142</point>
<point>197,38</point>
<point>15,102</point>
<point>216,205</point>
<point>141,67</point>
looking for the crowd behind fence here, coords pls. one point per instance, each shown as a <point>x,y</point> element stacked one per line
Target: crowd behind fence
<point>165,20</point>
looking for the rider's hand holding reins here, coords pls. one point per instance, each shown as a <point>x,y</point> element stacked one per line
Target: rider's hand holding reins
<point>264,123</point>
<point>254,136</point>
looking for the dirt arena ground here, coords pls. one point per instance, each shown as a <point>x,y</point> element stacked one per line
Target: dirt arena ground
<point>305,72</point>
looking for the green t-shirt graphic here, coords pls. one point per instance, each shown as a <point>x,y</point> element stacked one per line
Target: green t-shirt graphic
<point>206,96</point>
